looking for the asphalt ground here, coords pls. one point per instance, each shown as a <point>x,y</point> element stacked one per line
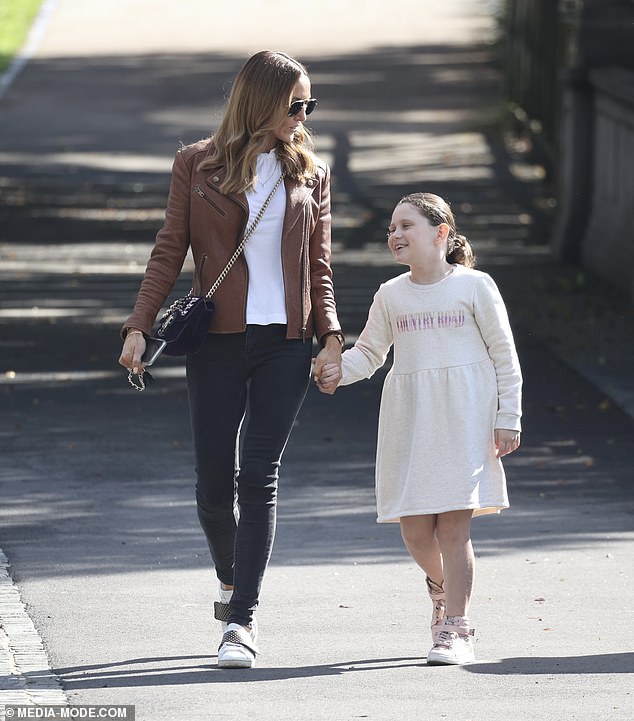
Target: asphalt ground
<point>105,558</point>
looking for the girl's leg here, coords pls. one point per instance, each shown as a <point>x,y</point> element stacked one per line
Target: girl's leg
<point>453,530</point>
<point>453,645</point>
<point>419,536</point>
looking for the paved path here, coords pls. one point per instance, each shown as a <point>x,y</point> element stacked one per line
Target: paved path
<point>97,515</point>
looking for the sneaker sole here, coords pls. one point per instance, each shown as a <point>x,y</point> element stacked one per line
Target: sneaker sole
<point>244,661</point>
<point>236,664</point>
<point>447,662</point>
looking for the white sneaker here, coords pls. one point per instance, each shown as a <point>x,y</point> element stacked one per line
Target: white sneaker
<point>238,648</point>
<point>454,646</point>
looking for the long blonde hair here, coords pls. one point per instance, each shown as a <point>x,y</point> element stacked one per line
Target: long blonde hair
<point>257,104</point>
<point>437,211</point>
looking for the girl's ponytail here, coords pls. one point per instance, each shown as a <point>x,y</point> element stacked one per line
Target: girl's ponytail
<point>459,251</point>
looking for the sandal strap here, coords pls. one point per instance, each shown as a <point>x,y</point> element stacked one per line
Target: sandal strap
<point>435,590</point>
<point>241,638</point>
<point>222,611</point>
<point>460,630</point>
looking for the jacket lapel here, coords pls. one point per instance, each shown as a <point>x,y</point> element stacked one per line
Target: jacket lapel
<point>296,197</point>
<point>213,180</point>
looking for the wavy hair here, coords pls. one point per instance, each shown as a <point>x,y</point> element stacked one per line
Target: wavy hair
<point>437,211</point>
<point>257,104</point>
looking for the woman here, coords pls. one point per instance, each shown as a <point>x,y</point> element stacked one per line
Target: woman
<point>279,294</point>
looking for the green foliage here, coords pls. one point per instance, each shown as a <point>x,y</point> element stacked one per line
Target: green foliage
<point>16,17</point>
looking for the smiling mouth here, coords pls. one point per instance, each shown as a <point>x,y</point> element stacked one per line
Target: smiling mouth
<point>399,247</point>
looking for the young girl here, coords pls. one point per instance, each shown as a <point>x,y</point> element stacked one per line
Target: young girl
<point>450,408</point>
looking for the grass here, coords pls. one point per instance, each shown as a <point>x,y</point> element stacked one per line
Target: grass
<point>16,17</point>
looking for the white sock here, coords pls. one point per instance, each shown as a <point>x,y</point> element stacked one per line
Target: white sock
<point>225,594</point>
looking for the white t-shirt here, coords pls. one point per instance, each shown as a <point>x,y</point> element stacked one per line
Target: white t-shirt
<point>263,252</point>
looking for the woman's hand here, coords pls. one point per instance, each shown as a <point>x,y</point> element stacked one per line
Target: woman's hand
<point>329,355</point>
<point>132,351</point>
<point>329,378</point>
<point>506,441</point>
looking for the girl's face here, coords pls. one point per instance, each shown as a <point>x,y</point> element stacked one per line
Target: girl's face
<point>412,239</point>
<point>288,126</point>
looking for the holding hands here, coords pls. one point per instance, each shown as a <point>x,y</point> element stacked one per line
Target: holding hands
<point>327,365</point>
<point>328,378</point>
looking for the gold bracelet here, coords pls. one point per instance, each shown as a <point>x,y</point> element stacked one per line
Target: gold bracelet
<point>132,332</point>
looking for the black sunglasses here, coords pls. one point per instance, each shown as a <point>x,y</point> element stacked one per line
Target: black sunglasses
<point>296,107</point>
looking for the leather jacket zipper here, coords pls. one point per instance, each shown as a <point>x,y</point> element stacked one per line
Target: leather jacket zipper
<point>199,191</point>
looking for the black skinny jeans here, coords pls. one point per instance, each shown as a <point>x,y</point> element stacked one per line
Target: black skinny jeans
<point>245,390</point>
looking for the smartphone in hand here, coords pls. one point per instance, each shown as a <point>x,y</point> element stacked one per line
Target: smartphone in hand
<point>153,349</point>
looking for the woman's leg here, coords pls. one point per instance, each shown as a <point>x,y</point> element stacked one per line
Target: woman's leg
<point>217,388</point>
<point>279,372</point>
<point>453,530</point>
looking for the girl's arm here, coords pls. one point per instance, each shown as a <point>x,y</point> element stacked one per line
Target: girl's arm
<point>492,319</point>
<point>370,351</point>
<point>365,357</point>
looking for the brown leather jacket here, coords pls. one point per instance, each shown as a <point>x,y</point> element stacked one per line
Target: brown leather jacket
<point>199,216</point>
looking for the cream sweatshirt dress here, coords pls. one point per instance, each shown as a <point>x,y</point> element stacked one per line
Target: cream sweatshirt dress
<point>455,378</point>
